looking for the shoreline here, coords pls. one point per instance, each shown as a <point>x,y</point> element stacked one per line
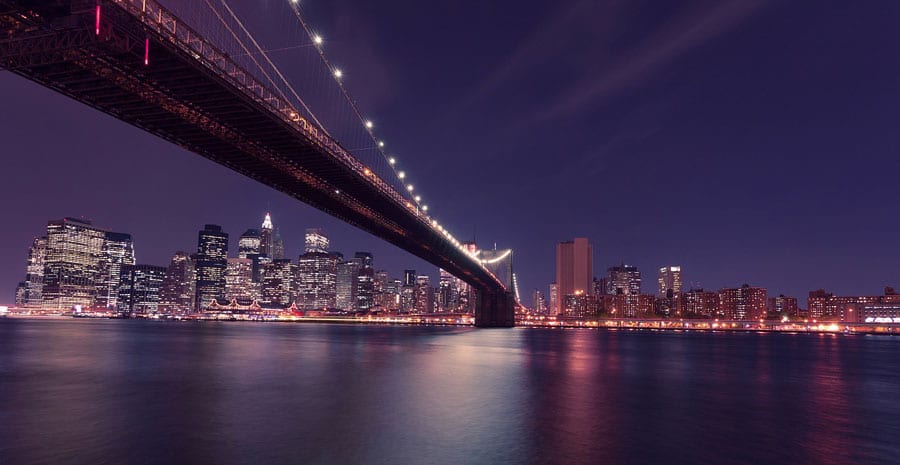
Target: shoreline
<point>609,325</point>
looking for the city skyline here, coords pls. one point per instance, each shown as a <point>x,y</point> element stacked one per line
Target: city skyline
<point>727,230</point>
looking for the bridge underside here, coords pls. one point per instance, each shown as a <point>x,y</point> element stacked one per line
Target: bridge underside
<point>495,309</point>
<point>179,97</point>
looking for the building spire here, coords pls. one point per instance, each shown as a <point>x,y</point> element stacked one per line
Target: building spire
<point>267,223</point>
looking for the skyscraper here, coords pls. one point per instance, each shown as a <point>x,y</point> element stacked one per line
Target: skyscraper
<point>316,241</point>
<point>623,279</point>
<point>540,306</point>
<point>249,243</point>
<point>448,293</point>
<point>118,250</point>
<point>71,265</point>
<point>239,283</point>
<point>574,268</point>
<point>365,282</point>
<point>211,265</point>
<point>139,288</point>
<point>278,287</point>
<point>34,273</point>
<point>669,279</point>
<point>555,306</point>
<point>345,284</point>
<point>424,295</point>
<point>178,292</point>
<point>317,273</point>
<point>266,244</point>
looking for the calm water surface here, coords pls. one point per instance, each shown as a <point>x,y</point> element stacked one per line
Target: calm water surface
<point>122,392</point>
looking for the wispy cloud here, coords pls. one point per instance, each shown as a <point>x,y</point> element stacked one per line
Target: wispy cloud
<point>688,31</point>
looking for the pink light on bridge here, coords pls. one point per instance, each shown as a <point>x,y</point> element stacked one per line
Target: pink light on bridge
<point>97,23</point>
<point>146,51</point>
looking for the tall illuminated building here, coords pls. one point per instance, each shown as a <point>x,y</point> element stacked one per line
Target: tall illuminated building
<point>266,243</point>
<point>239,284</point>
<point>249,243</point>
<point>316,241</point>
<point>365,282</point>
<point>211,264</point>
<point>345,284</point>
<point>34,274</point>
<point>71,264</point>
<point>118,251</point>
<point>317,273</point>
<point>408,291</point>
<point>424,295</point>
<point>555,304</point>
<point>623,279</point>
<point>669,281</point>
<point>139,289</point>
<point>574,268</point>
<point>278,287</point>
<point>448,293</point>
<point>179,288</point>
<point>540,306</point>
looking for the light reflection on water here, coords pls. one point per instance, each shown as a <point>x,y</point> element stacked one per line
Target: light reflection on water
<point>239,393</point>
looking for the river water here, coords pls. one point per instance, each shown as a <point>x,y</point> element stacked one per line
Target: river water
<point>145,392</point>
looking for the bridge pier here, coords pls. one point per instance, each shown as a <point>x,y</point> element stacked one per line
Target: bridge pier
<point>494,309</point>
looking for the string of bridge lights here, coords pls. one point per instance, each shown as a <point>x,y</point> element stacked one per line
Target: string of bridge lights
<point>369,126</point>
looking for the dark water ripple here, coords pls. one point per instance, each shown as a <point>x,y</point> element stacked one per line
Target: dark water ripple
<point>139,392</point>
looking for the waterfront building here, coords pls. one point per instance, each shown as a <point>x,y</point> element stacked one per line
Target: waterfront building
<point>743,303</point>
<point>71,264</point>
<point>178,292</point>
<point>249,243</point>
<point>139,289</point>
<point>631,305</point>
<point>826,306</point>
<point>783,306</point>
<point>239,284</point>
<point>574,268</point>
<point>118,250</point>
<point>697,303</point>
<point>21,290</point>
<point>211,264</point>
<point>579,305</point>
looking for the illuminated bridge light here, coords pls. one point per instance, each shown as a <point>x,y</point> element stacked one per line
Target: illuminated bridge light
<point>317,39</point>
<point>380,143</point>
<point>338,73</point>
<point>401,175</point>
<point>392,160</point>
<point>425,208</point>
<point>410,187</point>
<point>369,124</point>
<point>418,198</point>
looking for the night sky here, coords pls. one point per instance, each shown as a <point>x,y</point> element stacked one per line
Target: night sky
<point>747,141</point>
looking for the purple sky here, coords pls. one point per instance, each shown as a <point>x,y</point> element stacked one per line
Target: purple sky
<point>748,141</point>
